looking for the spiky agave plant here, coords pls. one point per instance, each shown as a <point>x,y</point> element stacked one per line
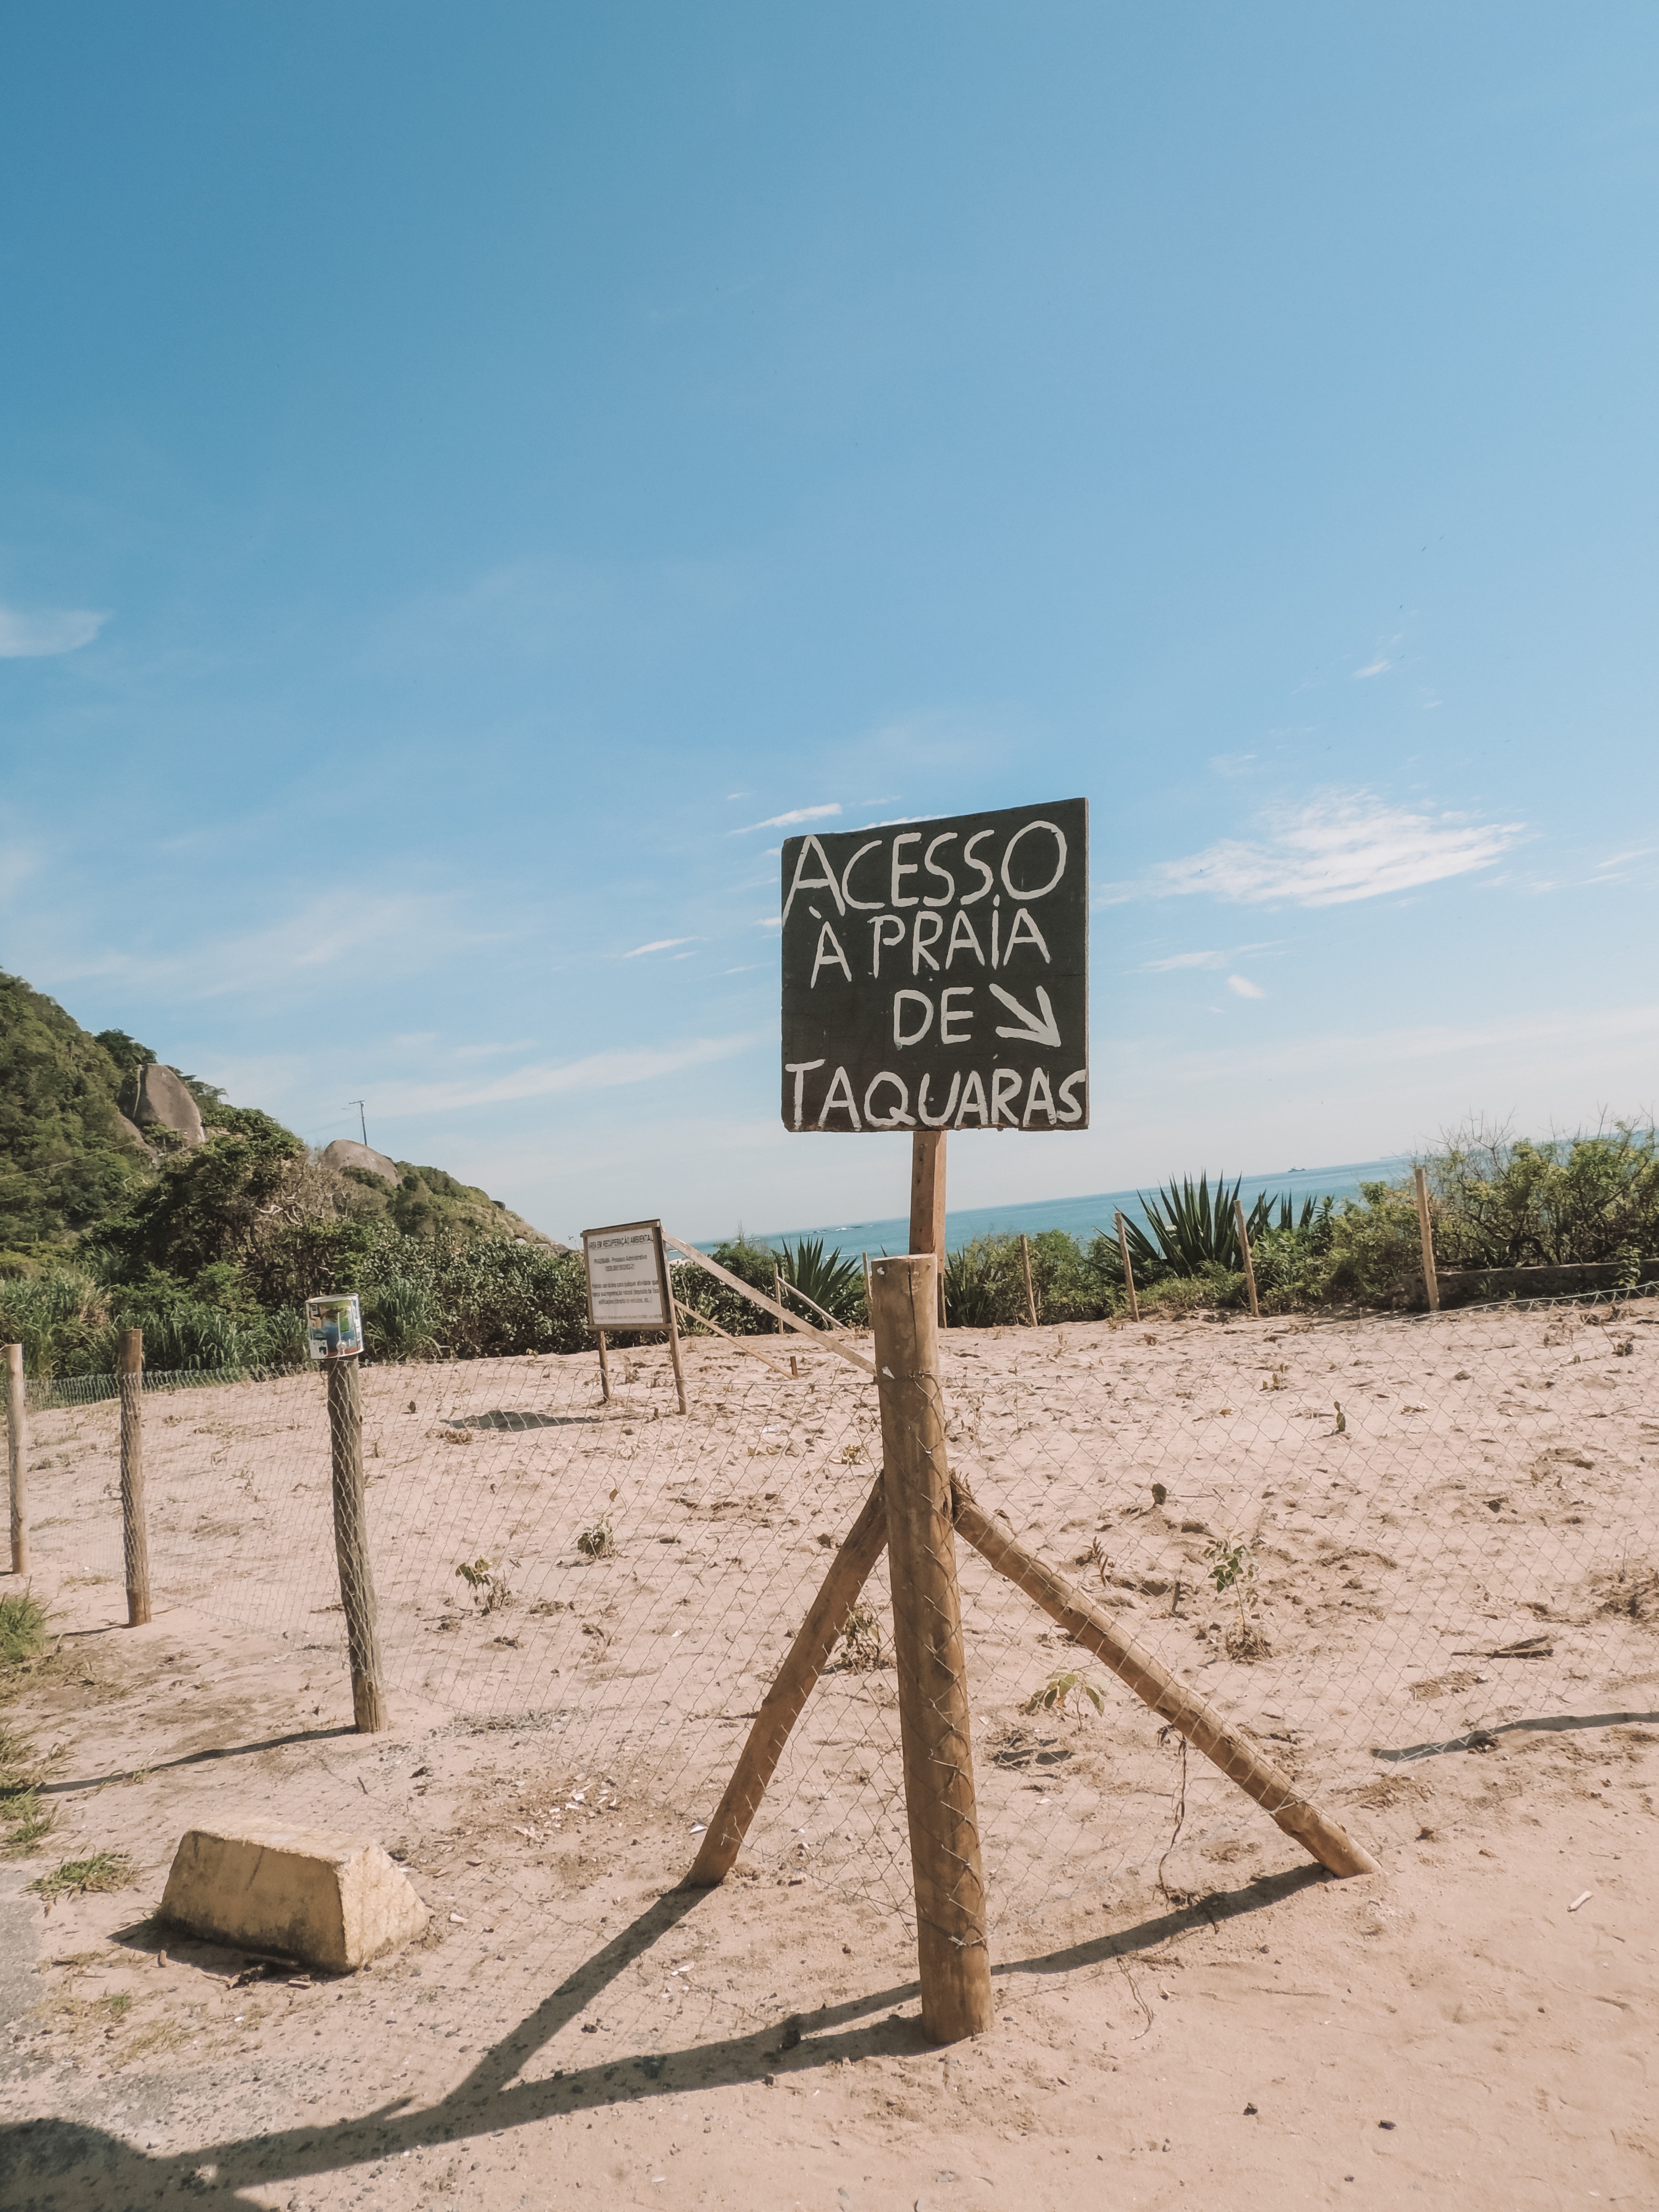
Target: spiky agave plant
<point>832,1282</point>
<point>1194,1229</point>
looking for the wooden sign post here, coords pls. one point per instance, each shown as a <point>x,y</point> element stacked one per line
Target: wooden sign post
<point>940,1799</point>
<point>629,1291</point>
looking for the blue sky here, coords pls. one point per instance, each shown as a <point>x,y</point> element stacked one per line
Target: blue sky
<point>472,480</point>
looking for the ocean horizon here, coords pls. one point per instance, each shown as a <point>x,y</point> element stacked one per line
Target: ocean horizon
<point>1079,1217</point>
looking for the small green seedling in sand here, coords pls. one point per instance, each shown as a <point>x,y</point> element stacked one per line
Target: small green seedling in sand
<point>1231,1568</point>
<point>595,1542</point>
<point>487,1583</point>
<point>74,1877</point>
<point>851,1454</point>
<point>1065,1692</point>
<point>861,1643</point>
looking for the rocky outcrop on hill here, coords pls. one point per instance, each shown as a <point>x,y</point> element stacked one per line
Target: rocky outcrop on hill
<point>347,1153</point>
<point>163,1098</point>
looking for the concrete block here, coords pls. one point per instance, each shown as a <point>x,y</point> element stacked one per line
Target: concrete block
<point>328,1901</point>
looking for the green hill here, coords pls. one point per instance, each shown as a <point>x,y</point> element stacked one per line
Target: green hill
<point>212,1247</point>
<point>67,1159</point>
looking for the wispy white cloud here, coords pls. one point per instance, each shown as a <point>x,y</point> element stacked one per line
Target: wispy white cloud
<point>1242,986</point>
<point>49,630</point>
<point>1381,661</point>
<point>596,1070</point>
<point>1339,847</point>
<point>339,934</point>
<point>789,820</point>
<point>1183,960</point>
<point>658,945</point>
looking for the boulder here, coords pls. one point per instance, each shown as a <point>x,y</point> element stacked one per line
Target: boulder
<point>328,1901</point>
<point>131,1129</point>
<point>163,1097</point>
<point>347,1153</point>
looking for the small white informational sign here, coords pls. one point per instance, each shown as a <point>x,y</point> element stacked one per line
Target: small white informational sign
<point>626,1286</point>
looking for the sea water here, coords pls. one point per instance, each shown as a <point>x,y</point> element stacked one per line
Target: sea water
<point>1083,1217</point>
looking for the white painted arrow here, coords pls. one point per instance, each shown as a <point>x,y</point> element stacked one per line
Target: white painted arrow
<point>1039,1028</point>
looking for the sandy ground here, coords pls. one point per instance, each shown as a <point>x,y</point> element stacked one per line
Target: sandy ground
<point>574,2028</point>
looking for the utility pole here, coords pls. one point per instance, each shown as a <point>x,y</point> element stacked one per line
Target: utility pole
<point>361,1123</point>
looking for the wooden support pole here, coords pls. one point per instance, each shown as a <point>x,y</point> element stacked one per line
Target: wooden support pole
<point>345,1428</point>
<point>1426,1231</point>
<point>927,1201</point>
<point>1169,1697</point>
<point>702,1321</point>
<point>135,1524</point>
<point>1249,1262</point>
<point>1025,1265</point>
<point>1129,1272</point>
<point>933,1685</point>
<point>841,1344</point>
<point>808,1655</point>
<point>17,1457</point>
<point>605,1368</point>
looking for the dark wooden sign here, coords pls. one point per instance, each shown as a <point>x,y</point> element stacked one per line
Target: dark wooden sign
<point>936,974</point>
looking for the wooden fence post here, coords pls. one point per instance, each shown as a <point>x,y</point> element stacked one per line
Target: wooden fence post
<point>1025,1265</point>
<point>667,1282</point>
<point>933,1720</point>
<point>1129,1272</point>
<point>345,1429</point>
<point>135,1525</point>
<point>17,1455</point>
<point>1249,1263</point>
<point>1426,1231</point>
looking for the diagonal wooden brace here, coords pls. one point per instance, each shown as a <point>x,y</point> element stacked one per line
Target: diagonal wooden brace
<point>1188,1713</point>
<point>807,1657</point>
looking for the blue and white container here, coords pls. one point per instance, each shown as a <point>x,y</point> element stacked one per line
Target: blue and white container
<point>334,1326</point>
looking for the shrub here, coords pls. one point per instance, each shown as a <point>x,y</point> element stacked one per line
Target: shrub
<point>22,1629</point>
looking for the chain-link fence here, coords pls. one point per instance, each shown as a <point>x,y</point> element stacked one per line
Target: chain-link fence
<point>1363,1540</point>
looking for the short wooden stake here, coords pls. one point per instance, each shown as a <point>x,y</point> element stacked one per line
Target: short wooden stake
<point>927,1201</point>
<point>1129,1272</point>
<point>345,1428</point>
<point>932,1686</point>
<point>17,1457</point>
<point>1025,1264</point>
<point>1426,1231</point>
<point>135,1525</point>
<point>1249,1263</point>
<point>780,1709</point>
<point>1188,1713</point>
<point>604,1369</point>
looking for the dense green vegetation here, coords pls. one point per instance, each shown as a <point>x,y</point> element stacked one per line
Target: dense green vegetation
<point>213,1250</point>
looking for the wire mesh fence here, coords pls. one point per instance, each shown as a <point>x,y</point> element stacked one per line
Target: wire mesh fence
<point>1363,1540</point>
